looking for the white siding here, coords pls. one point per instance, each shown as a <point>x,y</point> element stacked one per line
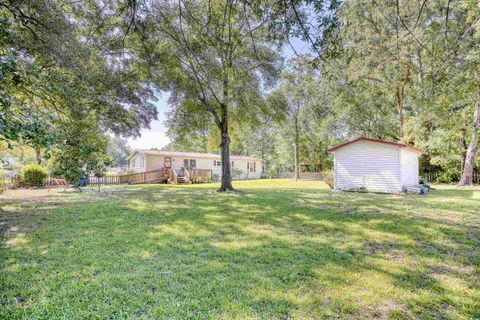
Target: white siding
<point>154,162</point>
<point>409,168</point>
<point>178,163</point>
<point>138,162</point>
<point>217,170</point>
<point>247,173</point>
<point>370,165</point>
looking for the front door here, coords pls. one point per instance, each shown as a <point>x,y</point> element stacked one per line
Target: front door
<point>168,163</point>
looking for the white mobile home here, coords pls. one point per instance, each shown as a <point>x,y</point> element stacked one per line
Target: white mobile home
<point>144,160</point>
<point>375,165</point>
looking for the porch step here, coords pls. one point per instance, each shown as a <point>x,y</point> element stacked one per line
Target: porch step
<point>181,180</point>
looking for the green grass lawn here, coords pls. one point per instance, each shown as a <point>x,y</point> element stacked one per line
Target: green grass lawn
<point>281,249</point>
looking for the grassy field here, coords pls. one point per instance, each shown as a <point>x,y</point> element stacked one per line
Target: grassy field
<point>279,250</point>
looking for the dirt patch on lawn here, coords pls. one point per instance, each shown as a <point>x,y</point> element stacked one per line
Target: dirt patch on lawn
<point>24,196</point>
<point>21,210</point>
<point>59,196</point>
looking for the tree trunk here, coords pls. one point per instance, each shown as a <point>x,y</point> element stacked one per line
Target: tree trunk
<point>264,161</point>
<point>225,153</point>
<point>467,174</point>
<point>464,146</point>
<point>38,154</point>
<point>296,147</point>
<point>399,96</point>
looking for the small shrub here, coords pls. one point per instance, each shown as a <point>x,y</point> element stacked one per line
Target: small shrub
<point>448,176</point>
<point>34,174</point>
<point>328,178</point>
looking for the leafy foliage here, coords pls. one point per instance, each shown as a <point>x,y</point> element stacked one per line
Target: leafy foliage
<point>214,58</point>
<point>118,150</point>
<point>34,174</point>
<point>328,178</point>
<point>409,72</point>
<point>84,151</point>
<point>59,66</point>
<point>388,70</point>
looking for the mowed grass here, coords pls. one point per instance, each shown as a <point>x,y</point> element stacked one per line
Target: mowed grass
<point>280,249</point>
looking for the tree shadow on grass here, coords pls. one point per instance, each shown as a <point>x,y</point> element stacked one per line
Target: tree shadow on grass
<point>166,252</point>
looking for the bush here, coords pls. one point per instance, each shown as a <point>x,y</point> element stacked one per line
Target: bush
<point>34,174</point>
<point>328,178</point>
<point>448,176</point>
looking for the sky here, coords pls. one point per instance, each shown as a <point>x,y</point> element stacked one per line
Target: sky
<point>156,137</point>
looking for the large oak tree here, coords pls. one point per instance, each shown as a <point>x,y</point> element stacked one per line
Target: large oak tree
<point>214,56</point>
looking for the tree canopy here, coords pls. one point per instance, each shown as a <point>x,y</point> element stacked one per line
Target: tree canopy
<point>401,71</point>
<point>63,67</point>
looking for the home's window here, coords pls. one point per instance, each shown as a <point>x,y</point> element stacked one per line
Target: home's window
<point>189,163</point>
<point>142,161</point>
<point>134,163</point>
<point>217,163</point>
<point>251,166</point>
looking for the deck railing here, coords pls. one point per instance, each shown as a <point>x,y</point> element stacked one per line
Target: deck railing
<point>188,177</point>
<point>144,177</point>
<point>161,175</point>
<point>131,178</point>
<point>200,173</point>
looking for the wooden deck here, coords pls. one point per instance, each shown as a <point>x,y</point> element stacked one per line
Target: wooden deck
<point>182,176</point>
<point>155,176</point>
<point>189,176</point>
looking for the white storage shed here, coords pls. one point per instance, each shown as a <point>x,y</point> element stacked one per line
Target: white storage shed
<point>375,165</point>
